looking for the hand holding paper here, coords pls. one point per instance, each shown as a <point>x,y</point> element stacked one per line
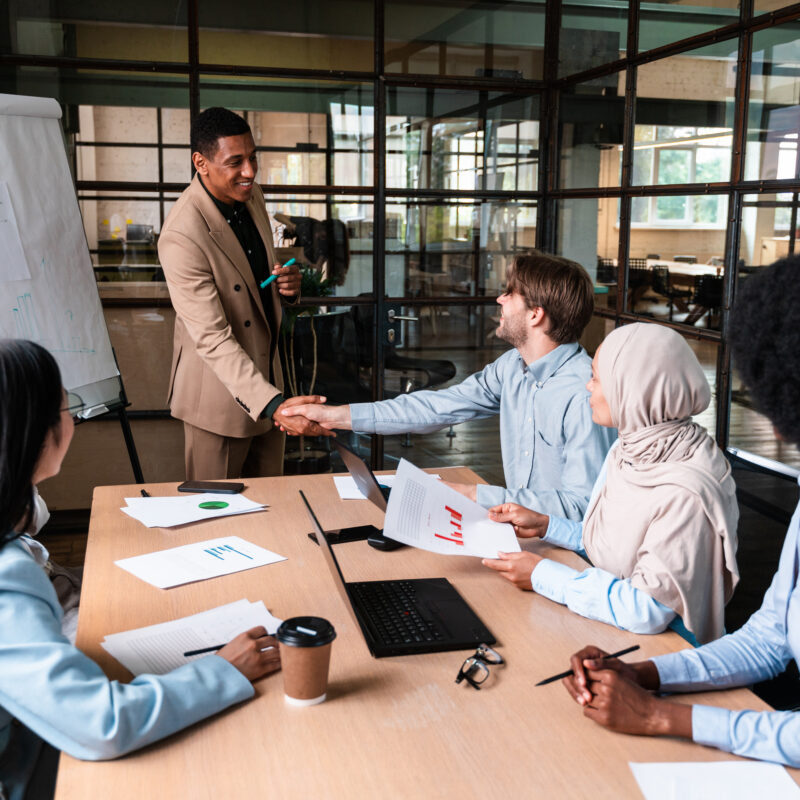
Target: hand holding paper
<point>426,513</point>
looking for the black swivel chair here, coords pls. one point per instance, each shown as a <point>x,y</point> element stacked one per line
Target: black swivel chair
<point>662,286</point>
<point>640,279</point>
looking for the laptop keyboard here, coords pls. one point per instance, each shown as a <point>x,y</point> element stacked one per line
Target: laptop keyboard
<point>391,608</point>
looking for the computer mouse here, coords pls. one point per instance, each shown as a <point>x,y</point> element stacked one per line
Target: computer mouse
<point>381,542</point>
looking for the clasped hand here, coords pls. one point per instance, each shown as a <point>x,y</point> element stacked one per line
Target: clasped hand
<point>298,425</point>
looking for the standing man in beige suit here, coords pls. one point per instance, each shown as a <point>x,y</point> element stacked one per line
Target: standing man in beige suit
<point>216,250</point>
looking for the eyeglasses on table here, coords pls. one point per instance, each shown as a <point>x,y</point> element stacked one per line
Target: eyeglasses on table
<point>475,669</point>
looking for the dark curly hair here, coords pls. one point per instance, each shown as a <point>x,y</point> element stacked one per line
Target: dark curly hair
<point>765,339</point>
<point>212,125</point>
<point>30,407</point>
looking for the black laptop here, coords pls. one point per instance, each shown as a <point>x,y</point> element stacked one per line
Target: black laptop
<point>404,617</point>
<point>363,476</point>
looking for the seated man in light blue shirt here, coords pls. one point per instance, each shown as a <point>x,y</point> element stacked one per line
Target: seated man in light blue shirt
<point>766,351</point>
<point>552,451</point>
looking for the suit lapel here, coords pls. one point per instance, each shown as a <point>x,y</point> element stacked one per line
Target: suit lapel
<point>220,232</point>
<point>258,212</point>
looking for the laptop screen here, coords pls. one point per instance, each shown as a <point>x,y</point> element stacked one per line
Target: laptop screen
<point>330,558</point>
<point>362,475</point>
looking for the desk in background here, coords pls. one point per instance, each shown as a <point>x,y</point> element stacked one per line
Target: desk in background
<point>393,727</point>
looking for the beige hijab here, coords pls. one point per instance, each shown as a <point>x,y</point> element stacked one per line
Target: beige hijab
<point>666,517</point>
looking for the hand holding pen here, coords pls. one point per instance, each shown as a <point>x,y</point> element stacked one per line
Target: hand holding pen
<point>254,653</point>
<point>599,660</point>
<point>287,276</point>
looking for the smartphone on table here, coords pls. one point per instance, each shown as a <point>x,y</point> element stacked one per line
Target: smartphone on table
<point>216,487</point>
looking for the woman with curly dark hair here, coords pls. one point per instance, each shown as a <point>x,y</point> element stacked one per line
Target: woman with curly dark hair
<point>766,346</point>
<point>51,694</point>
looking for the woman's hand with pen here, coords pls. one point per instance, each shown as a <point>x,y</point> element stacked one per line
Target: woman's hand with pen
<point>253,653</point>
<point>618,696</point>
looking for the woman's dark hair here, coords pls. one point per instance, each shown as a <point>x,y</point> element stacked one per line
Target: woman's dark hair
<point>765,338</point>
<point>30,406</point>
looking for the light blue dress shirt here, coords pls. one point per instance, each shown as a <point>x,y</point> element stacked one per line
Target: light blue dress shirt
<point>49,689</point>
<point>595,593</point>
<point>551,449</point>
<point>759,650</point>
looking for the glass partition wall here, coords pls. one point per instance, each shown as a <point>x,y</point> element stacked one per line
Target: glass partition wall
<point>408,149</point>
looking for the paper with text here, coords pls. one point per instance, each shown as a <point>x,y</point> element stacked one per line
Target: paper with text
<point>423,512</point>
<point>157,649</point>
<point>199,561</point>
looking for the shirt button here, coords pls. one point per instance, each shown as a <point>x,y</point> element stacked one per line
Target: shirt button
<point>538,384</point>
<point>530,419</point>
<point>249,251</point>
<point>247,325</point>
<point>238,288</point>
<point>525,453</point>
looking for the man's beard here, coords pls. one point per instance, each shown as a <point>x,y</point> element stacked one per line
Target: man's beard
<point>513,333</point>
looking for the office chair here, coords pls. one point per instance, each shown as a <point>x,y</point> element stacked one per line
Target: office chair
<point>606,270</point>
<point>662,286</point>
<point>640,278</point>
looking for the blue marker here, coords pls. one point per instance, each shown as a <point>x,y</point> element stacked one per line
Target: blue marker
<point>271,278</point>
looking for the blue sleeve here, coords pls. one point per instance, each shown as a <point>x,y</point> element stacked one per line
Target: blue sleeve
<point>586,446</point>
<point>64,697</point>
<point>765,735</point>
<point>597,594</point>
<point>757,651</point>
<point>565,533</point>
<point>426,411</point>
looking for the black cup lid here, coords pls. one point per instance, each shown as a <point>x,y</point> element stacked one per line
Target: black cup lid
<point>306,632</point>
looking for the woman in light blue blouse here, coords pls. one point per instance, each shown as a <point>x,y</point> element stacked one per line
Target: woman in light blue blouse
<point>51,694</point>
<point>660,527</point>
<point>766,345</point>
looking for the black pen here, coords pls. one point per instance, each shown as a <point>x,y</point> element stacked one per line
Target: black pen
<point>569,671</point>
<point>203,650</point>
<point>145,493</point>
<point>215,648</point>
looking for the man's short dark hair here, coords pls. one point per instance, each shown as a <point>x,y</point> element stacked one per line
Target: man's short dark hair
<point>765,338</point>
<point>561,287</point>
<point>212,125</point>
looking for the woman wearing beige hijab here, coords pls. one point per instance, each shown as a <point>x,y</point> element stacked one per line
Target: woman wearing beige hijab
<point>660,528</point>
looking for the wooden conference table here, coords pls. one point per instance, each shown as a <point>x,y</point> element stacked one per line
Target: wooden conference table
<point>392,727</point>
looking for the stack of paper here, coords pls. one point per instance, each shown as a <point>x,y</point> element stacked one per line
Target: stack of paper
<point>425,513</point>
<point>157,649</point>
<point>164,512</point>
<point>199,561</point>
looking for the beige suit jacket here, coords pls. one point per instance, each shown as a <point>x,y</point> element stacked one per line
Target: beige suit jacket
<point>221,373</point>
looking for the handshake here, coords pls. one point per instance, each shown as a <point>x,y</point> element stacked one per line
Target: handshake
<point>309,416</point>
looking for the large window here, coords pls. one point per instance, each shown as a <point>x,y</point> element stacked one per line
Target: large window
<point>410,171</point>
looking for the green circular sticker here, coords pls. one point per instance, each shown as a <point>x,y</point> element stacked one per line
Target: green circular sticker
<point>213,505</point>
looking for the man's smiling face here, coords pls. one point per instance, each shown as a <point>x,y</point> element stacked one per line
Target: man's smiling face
<point>229,175</point>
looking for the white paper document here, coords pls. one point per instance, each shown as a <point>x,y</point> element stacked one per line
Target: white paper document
<point>199,561</point>
<point>425,513</point>
<point>165,512</point>
<point>348,490</point>
<point>712,780</point>
<point>15,265</point>
<point>157,649</point>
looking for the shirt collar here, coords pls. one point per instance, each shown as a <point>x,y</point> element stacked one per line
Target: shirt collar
<point>227,211</point>
<point>547,366</point>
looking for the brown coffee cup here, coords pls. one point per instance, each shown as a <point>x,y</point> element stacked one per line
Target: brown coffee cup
<point>305,644</point>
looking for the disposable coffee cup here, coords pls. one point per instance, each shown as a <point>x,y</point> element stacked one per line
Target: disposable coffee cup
<point>305,644</point>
